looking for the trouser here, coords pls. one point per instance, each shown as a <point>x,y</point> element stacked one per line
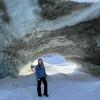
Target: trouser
<point>43,79</point>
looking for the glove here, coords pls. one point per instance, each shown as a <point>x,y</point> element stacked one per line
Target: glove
<point>38,79</point>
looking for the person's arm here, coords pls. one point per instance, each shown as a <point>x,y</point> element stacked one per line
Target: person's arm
<point>37,73</point>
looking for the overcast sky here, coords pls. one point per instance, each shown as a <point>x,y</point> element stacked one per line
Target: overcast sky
<point>87,0</point>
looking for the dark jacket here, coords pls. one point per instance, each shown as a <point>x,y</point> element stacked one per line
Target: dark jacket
<point>40,71</point>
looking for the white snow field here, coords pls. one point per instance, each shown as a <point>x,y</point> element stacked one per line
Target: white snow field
<point>75,86</point>
<point>64,83</point>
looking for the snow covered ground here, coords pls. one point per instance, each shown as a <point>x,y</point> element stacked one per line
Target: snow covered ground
<point>62,84</point>
<point>76,86</point>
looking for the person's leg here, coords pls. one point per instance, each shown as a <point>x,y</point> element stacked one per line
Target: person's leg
<point>45,86</point>
<point>39,87</point>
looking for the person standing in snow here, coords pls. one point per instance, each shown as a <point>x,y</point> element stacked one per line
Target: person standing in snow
<point>41,77</point>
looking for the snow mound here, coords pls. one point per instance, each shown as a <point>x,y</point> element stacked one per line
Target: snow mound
<point>62,85</point>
